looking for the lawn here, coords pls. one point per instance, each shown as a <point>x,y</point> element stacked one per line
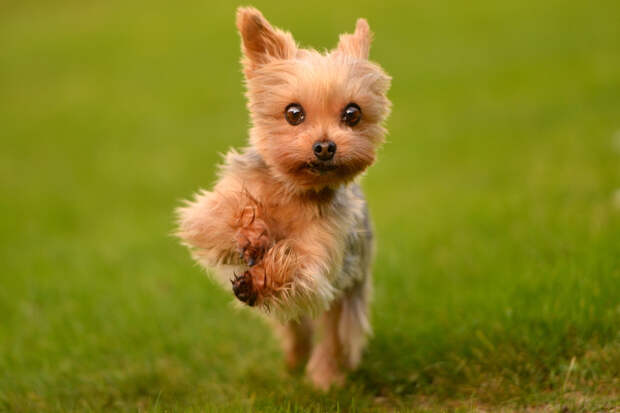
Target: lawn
<point>496,203</point>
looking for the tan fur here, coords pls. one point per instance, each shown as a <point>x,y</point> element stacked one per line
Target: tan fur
<point>295,239</point>
<point>296,338</point>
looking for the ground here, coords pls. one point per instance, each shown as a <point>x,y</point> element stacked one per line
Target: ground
<point>496,204</point>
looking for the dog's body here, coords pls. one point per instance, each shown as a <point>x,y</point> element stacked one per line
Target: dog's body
<point>286,222</point>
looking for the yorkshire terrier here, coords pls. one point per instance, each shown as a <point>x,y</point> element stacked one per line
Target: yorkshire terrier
<point>287,223</point>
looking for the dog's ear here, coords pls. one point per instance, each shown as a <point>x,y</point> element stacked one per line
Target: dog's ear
<point>260,42</point>
<point>358,43</point>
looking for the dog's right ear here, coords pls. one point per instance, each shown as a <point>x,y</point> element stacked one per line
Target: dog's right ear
<point>260,42</point>
<point>358,43</point>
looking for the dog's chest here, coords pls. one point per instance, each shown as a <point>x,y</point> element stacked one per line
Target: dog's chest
<point>292,218</point>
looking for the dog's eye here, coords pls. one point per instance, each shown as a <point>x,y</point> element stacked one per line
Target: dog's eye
<point>352,114</point>
<point>294,114</point>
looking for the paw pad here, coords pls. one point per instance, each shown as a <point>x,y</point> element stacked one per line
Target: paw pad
<point>243,289</point>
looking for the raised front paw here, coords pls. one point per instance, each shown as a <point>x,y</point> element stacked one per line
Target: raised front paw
<point>253,240</point>
<point>251,285</point>
<point>244,289</point>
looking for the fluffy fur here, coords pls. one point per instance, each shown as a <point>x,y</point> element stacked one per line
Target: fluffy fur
<point>292,233</point>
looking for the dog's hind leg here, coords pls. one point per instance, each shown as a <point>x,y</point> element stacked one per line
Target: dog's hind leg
<point>354,324</point>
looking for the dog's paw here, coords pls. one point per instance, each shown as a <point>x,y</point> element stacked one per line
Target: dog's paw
<point>243,288</point>
<point>253,241</point>
<point>251,285</point>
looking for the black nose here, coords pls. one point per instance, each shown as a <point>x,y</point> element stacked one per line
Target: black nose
<point>324,150</point>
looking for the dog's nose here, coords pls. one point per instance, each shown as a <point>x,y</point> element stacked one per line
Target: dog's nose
<point>324,150</point>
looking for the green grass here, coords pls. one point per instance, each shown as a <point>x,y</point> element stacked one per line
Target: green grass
<point>497,281</point>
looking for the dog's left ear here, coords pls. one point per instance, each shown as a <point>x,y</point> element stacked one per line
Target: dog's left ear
<point>260,42</point>
<point>358,43</point>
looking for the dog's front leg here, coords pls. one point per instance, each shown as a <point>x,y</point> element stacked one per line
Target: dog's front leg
<point>292,277</point>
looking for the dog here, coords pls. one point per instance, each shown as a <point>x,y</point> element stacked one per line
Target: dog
<point>287,223</point>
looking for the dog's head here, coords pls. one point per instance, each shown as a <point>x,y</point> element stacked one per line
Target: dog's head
<point>316,118</point>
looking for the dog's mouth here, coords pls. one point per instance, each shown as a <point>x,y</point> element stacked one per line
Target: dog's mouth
<point>320,168</point>
<point>313,173</point>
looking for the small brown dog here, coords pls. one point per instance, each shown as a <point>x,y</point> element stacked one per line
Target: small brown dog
<point>286,222</point>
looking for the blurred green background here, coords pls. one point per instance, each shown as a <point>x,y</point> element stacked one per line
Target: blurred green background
<point>497,281</point>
